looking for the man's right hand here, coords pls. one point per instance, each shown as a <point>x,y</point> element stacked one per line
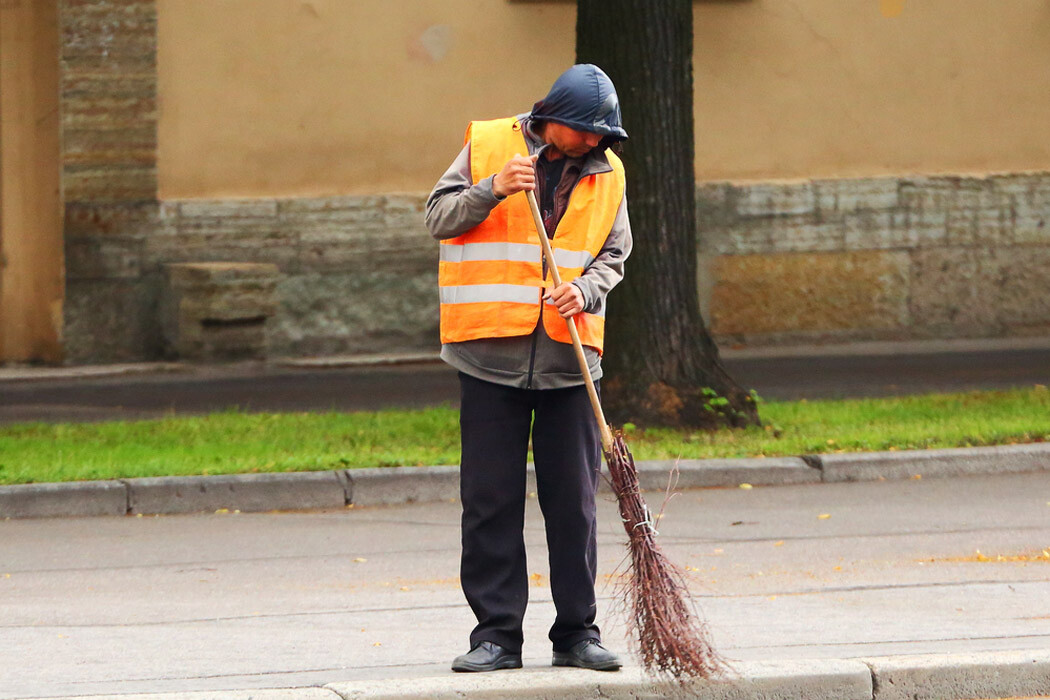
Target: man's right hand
<point>518,174</point>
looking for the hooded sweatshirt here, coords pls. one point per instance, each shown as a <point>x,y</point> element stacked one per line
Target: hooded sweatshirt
<point>582,97</point>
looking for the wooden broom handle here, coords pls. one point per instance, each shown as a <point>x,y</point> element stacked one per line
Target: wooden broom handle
<point>541,231</point>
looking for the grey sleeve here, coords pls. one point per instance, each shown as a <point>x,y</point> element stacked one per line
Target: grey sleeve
<point>456,205</point>
<point>607,269</point>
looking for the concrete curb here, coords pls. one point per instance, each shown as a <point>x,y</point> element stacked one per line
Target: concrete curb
<point>805,680</point>
<point>35,374</point>
<point>984,675</point>
<point>253,694</point>
<point>245,492</point>
<point>76,498</point>
<point>944,676</point>
<point>707,473</point>
<point>400,485</point>
<point>871,466</point>
<point>337,361</point>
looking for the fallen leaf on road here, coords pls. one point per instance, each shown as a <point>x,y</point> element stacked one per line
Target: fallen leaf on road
<point>746,487</point>
<point>779,544</point>
<point>360,560</point>
<point>823,516</point>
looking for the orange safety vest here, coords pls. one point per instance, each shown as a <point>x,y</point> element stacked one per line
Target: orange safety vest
<point>490,278</point>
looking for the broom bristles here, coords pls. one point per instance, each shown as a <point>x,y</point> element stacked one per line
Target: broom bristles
<point>672,637</point>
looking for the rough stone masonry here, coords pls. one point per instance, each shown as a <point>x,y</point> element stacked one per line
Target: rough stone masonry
<point>888,258</point>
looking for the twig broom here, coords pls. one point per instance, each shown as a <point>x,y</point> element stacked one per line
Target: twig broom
<point>672,638</point>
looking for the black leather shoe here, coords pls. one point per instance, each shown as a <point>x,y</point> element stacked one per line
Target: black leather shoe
<point>486,656</point>
<point>588,654</point>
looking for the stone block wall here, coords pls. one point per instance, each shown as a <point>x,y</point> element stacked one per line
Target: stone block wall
<point>816,261</point>
<point>358,274</point>
<point>881,258</point>
<point>108,103</point>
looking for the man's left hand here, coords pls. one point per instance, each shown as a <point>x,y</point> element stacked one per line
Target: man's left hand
<point>567,298</point>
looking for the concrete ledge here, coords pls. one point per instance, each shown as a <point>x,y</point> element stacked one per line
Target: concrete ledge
<point>244,492</point>
<point>984,675</point>
<point>399,485</point>
<point>705,473</point>
<point>367,360</point>
<point>942,676</point>
<point>789,680</point>
<point>395,485</point>
<point>870,466</point>
<point>24,374</point>
<point>70,499</point>
<point>265,694</point>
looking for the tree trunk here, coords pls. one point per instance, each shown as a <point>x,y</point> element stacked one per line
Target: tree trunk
<point>662,367</point>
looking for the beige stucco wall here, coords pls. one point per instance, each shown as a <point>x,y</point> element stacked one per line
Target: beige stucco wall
<point>31,252</point>
<point>841,88</point>
<point>286,98</point>
<point>298,98</point>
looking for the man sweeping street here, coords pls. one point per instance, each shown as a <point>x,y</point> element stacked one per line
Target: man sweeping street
<point>503,327</point>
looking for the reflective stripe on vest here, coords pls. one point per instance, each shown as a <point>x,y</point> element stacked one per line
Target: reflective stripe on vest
<point>478,293</point>
<point>514,252</point>
<point>491,276</point>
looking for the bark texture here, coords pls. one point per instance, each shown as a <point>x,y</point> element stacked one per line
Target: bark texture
<point>663,368</point>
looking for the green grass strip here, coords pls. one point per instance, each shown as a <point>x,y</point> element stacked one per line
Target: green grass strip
<point>238,442</point>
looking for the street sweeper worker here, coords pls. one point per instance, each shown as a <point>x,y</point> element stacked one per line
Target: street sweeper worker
<point>503,327</point>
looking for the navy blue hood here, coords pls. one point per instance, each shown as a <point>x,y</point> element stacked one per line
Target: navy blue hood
<point>584,98</point>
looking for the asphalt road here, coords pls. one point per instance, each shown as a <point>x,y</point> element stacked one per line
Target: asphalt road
<point>260,387</point>
<point>238,601</point>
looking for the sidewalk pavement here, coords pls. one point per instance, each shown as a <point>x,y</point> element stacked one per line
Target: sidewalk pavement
<point>842,590</point>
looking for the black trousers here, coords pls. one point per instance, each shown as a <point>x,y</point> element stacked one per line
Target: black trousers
<point>495,424</point>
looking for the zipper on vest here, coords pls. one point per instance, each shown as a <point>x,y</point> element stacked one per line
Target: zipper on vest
<point>543,268</point>
<point>532,353</point>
